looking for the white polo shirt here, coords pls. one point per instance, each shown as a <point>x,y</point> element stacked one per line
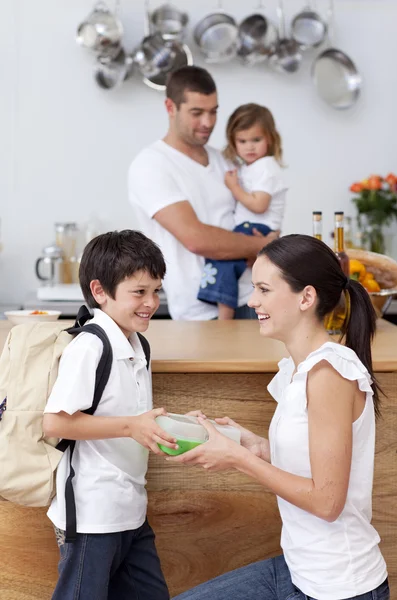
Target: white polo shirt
<point>109,484</point>
<point>327,560</point>
<point>160,176</point>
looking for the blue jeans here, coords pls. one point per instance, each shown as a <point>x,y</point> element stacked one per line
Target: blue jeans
<point>110,566</point>
<point>266,580</point>
<point>219,283</point>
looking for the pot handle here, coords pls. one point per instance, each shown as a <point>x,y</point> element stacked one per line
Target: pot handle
<point>146,20</point>
<point>281,19</point>
<point>331,22</point>
<point>37,269</point>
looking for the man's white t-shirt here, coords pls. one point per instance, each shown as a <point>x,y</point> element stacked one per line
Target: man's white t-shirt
<point>160,176</point>
<point>109,484</point>
<point>264,175</point>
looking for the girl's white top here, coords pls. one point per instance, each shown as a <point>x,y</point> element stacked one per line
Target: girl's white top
<point>264,175</point>
<point>327,560</point>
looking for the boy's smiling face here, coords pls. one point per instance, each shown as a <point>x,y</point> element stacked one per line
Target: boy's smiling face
<point>135,301</point>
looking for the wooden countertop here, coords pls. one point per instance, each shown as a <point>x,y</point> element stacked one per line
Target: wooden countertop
<point>231,347</point>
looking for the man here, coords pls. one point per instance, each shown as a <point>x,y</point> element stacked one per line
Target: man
<point>177,189</point>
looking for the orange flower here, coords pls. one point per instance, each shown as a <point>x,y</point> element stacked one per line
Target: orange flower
<point>374,182</point>
<point>364,184</point>
<point>391,180</point>
<point>356,188</point>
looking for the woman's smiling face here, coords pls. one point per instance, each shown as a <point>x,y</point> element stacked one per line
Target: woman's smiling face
<point>279,309</point>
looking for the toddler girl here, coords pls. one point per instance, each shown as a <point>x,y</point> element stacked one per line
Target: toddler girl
<point>256,182</point>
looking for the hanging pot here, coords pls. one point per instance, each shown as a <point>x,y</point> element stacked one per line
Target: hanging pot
<point>308,29</point>
<point>286,56</point>
<point>169,22</point>
<point>216,36</point>
<point>101,31</point>
<point>256,38</point>
<point>156,57</point>
<point>111,72</point>
<point>183,58</point>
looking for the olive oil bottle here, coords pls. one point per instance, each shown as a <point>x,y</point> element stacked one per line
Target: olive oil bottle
<point>318,224</point>
<point>335,320</point>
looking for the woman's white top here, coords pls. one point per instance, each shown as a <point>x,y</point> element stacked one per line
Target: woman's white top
<point>327,561</point>
<point>264,175</point>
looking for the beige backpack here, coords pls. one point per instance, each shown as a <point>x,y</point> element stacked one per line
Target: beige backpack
<point>28,370</point>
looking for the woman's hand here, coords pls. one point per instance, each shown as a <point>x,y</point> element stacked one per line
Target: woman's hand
<point>254,443</point>
<point>196,413</point>
<point>219,453</point>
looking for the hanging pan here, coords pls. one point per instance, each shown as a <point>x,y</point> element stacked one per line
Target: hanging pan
<point>308,29</point>
<point>335,76</point>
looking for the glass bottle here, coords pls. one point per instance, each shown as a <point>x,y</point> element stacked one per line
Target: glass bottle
<point>339,241</point>
<point>318,225</point>
<point>348,233</point>
<point>335,320</point>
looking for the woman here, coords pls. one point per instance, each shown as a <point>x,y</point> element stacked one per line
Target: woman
<point>320,455</point>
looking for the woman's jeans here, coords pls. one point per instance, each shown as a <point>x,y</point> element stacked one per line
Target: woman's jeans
<point>266,580</point>
<point>219,282</point>
<point>110,566</point>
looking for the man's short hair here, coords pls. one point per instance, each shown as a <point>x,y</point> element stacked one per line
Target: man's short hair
<point>114,256</point>
<point>189,79</point>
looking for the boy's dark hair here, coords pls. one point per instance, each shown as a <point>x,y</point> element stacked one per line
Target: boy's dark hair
<point>189,79</point>
<point>113,256</point>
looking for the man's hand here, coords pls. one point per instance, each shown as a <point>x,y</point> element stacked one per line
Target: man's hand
<point>144,430</point>
<point>264,240</point>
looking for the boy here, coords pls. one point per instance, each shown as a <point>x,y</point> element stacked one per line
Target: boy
<point>114,556</point>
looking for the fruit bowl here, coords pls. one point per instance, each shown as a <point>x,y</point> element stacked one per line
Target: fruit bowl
<point>381,300</point>
<point>17,317</point>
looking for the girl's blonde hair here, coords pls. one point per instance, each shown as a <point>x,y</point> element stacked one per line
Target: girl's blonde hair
<point>246,116</point>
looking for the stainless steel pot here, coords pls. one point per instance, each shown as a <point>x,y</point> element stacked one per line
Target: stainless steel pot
<point>157,57</point>
<point>335,76</point>
<point>101,31</point>
<point>286,56</point>
<point>216,36</point>
<point>183,57</point>
<point>169,22</point>
<point>111,72</point>
<point>308,29</point>
<point>256,38</point>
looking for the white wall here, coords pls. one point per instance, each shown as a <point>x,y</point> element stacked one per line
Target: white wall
<point>65,144</point>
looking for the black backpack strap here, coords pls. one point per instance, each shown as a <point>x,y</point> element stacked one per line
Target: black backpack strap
<point>146,348</point>
<point>101,379</point>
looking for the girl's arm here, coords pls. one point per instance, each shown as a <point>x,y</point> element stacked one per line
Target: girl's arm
<point>257,202</point>
<point>330,413</point>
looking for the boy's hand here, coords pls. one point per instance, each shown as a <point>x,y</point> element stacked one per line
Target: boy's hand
<point>145,431</point>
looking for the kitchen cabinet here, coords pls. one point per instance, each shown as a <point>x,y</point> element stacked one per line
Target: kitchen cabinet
<point>209,523</point>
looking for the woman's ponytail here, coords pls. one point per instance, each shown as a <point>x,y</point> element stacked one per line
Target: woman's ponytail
<point>360,330</point>
<point>303,260</point>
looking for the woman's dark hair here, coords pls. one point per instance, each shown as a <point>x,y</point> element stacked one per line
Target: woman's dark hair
<point>304,260</point>
<point>113,256</point>
<point>189,79</point>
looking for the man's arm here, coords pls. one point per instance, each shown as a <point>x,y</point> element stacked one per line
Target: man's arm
<point>205,240</point>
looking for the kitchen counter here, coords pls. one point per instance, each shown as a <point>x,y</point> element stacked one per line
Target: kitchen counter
<point>207,523</point>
